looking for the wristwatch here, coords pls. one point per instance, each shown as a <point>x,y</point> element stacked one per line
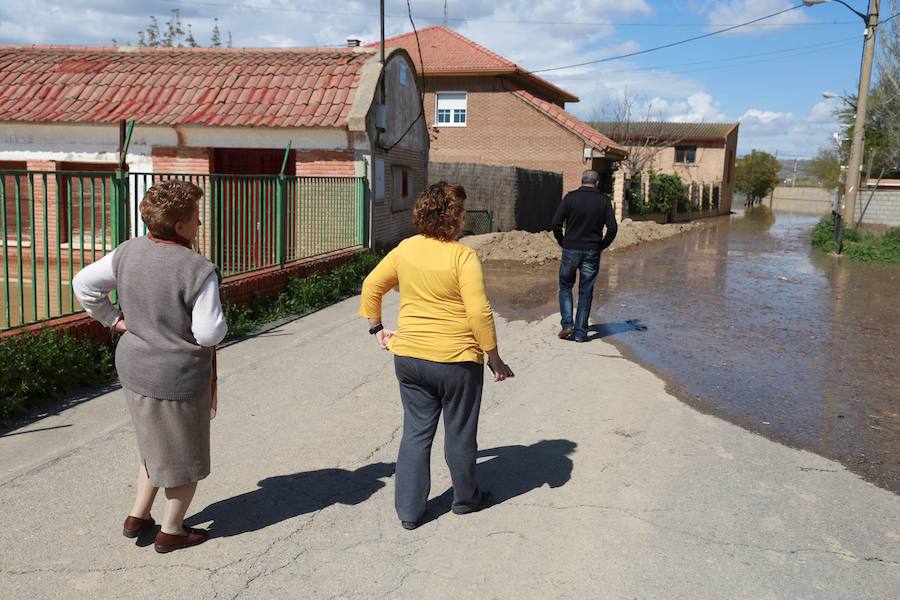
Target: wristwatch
<point>376,329</point>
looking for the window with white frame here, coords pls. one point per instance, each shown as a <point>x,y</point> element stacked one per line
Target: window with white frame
<point>451,109</point>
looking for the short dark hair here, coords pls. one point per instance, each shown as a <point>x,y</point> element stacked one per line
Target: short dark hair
<point>168,202</point>
<point>440,211</point>
<point>590,176</point>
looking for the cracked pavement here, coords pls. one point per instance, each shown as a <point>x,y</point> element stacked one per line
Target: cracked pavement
<point>609,487</point>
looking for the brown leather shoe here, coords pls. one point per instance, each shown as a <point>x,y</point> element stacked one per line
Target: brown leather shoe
<point>566,334</point>
<point>166,542</point>
<point>134,527</point>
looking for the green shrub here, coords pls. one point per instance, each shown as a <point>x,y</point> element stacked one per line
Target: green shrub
<point>47,366</point>
<point>869,247</point>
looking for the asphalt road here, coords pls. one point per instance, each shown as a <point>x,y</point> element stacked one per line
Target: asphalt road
<point>608,486</point>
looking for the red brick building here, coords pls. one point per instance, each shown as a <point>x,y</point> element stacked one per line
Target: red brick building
<point>482,108</point>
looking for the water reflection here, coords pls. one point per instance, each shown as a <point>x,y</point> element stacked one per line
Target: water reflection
<point>753,325</point>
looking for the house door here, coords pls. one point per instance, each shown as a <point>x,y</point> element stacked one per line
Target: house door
<point>246,188</point>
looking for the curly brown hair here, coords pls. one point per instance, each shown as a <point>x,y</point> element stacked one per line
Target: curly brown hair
<point>440,211</point>
<point>168,202</point>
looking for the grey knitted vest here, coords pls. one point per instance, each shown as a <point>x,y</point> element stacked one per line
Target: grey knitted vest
<point>157,286</point>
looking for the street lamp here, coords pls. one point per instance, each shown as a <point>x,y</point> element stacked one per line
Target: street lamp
<point>851,186</point>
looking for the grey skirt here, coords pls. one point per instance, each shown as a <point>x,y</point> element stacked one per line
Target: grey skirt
<point>172,436</point>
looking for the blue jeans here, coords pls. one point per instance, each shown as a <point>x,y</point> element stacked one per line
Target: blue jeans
<point>586,263</point>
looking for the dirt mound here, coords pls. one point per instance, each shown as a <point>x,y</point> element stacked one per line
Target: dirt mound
<point>538,248</point>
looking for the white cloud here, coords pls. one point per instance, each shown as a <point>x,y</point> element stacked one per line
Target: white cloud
<point>724,14</point>
<point>787,134</point>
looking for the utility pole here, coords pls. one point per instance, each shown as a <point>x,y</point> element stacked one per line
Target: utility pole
<point>859,127</point>
<point>445,13</point>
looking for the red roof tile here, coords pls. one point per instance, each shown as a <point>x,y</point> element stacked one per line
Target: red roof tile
<point>179,86</point>
<point>446,52</point>
<point>566,119</point>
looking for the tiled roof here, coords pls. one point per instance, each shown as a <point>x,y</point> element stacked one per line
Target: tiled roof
<point>664,130</point>
<point>446,52</point>
<point>180,86</point>
<point>591,136</point>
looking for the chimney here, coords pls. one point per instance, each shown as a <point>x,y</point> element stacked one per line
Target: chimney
<point>353,43</point>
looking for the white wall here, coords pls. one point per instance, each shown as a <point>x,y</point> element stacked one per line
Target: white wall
<point>99,143</point>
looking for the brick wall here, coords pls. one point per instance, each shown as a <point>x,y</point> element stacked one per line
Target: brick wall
<point>325,163</point>
<point>169,159</point>
<point>518,198</point>
<point>884,209</point>
<point>390,224</point>
<point>503,130</point>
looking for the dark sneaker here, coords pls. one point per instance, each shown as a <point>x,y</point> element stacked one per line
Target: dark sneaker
<point>581,340</point>
<point>410,524</point>
<point>566,334</point>
<point>485,500</point>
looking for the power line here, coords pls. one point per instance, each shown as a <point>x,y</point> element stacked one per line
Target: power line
<point>441,19</point>
<point>669,45</point>
<point>820,46</point>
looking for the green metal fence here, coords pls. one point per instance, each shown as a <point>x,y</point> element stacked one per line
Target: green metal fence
<point>56,223</point>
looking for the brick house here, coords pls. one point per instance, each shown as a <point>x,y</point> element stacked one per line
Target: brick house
<point>700,153</point>
<point>482,108</point>
<point>230,111</point>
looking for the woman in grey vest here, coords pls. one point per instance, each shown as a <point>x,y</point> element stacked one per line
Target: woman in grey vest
<point>170,320</point>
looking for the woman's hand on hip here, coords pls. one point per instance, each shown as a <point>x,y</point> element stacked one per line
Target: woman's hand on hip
<point>119,327</point>
<point>384,337</point>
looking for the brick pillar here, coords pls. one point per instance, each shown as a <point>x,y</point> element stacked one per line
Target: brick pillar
<point>619,195</point>
<point>44,198</point>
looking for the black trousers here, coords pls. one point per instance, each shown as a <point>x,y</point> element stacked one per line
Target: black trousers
<point>427,388</point>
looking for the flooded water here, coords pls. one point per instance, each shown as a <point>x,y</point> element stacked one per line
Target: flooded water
<point>747,322</point>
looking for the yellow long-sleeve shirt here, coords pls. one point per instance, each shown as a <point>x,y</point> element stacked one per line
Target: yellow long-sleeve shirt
<point>445,315</point>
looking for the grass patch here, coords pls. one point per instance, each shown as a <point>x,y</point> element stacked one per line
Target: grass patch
<point>49,365</point>
<point>866,247</point>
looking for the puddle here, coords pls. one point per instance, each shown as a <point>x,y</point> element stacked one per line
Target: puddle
<point>747,322</point>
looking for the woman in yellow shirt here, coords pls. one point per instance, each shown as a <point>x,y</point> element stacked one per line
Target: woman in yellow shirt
<point>445,327</point>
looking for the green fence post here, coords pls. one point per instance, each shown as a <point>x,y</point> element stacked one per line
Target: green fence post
<point>281,210</point>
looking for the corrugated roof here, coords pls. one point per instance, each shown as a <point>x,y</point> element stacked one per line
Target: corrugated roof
<point>622,131</point>
<point>446,52</point>
<point>590,135</point>
<point>299,87</point>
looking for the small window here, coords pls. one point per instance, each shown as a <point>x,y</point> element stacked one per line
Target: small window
<point>686,155</point>
<point>451,109</point>
<point>401,199</point>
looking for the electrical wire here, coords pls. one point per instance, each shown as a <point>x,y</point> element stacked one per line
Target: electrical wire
<point>421,90</point>
<point>496,21</point>
<point>665,46</point>
<point>823,45</point>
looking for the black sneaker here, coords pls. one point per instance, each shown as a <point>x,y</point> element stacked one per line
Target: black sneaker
<point>485,500</point>
<point>410,524</point>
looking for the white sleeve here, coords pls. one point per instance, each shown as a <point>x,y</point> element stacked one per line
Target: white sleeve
<point>92,286</point>
<point>207,319</point>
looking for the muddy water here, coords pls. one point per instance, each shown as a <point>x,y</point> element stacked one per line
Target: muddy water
<point>747,322</point>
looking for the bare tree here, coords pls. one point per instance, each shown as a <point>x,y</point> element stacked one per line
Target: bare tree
<point>640,129</point>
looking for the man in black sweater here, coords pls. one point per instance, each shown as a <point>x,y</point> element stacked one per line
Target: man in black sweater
<point>584,212</point>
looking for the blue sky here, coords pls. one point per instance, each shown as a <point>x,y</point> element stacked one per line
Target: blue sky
<point>769,77</point>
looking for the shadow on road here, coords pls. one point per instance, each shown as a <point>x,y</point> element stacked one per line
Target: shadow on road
<point>513,471</point>
<point>287,496</point>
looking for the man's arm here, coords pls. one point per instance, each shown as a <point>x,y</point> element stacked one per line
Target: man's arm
<point>612,228</point>
<point>559,217</point>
